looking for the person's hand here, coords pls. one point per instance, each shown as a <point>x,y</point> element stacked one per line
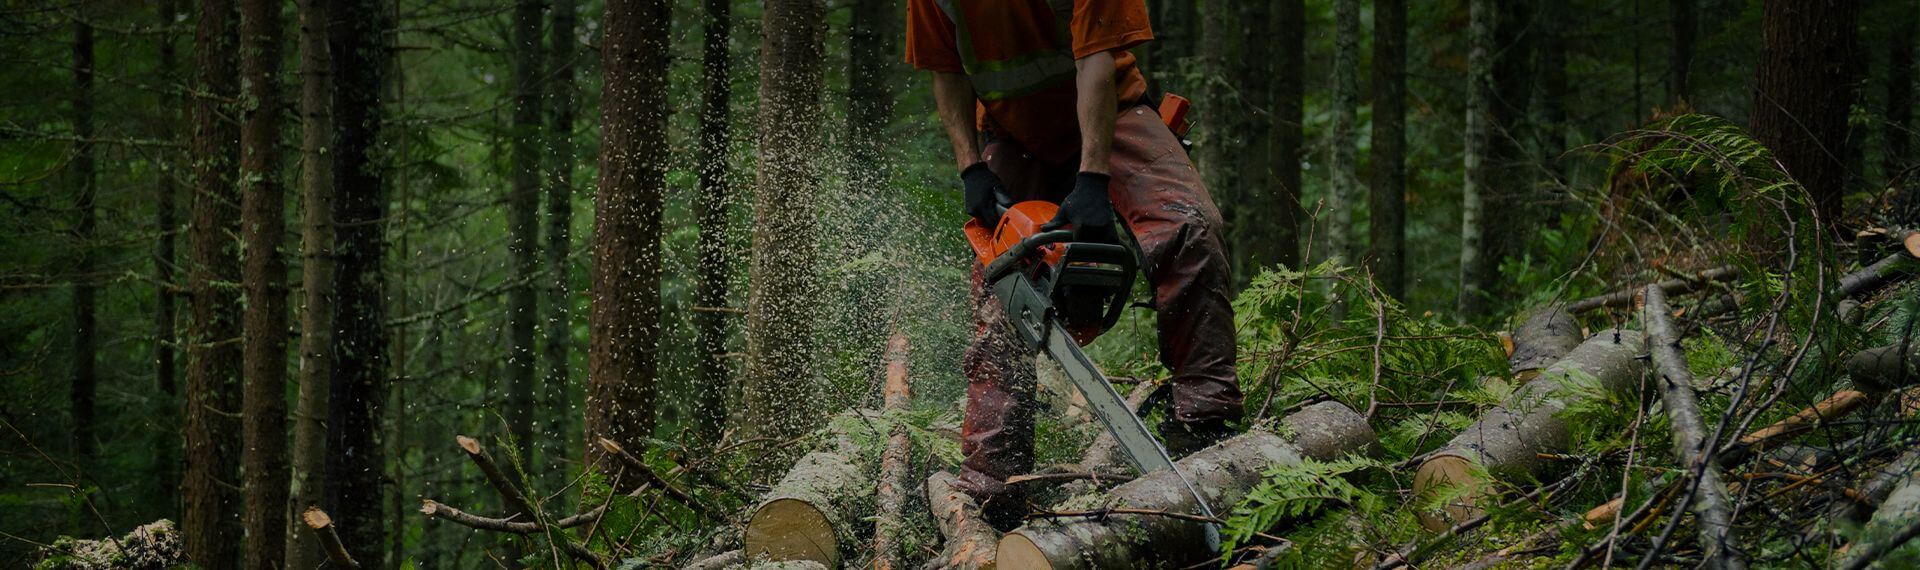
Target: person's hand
<point>1088,210</point>
<point>982,187</point>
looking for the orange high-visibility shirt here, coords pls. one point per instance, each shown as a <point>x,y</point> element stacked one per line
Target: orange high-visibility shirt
<point>1019,55</point>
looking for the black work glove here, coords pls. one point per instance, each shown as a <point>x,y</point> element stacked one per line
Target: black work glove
<point>983,188</point>
<point>1088,209</point>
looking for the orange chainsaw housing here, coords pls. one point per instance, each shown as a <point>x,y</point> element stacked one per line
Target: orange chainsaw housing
<point>1019,222</point>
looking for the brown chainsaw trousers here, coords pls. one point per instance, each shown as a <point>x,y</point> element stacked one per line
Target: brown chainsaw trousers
<point>1160,197</point>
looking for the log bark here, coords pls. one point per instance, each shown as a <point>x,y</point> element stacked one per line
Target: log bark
<point>894,480</point>
<point>1506,439</point>
<point>1546,336</point>
<point>1675,286</point>
<point>1692,435</point>
<point>971,543</point>
<point>1224,473</point>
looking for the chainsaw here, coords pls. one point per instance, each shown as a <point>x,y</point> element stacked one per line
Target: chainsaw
<point>1061,294</point>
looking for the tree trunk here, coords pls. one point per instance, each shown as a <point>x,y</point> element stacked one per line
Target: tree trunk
<point>1387,202</point>
<point>212,517</point>
<point>85,321</point>
<point>870,80</point>
<point>166,224</point>
<point>1251,99</point>
<point>1344,187</point>
<point>1801,95</point>
<point>1174,31</point>
<point>781,389</point>
<point>1692,435</point>
<point>1680,60</point>
<point>1224,473</point>
<point>559,326</point>
<point>355,462</point>
<point>624,323</point>
<point>1281,202</point>
<point>1218,114</point>
<point>1476,271</point>
<point>1505,439</point>
<point>523,219</point>
<point>316,279</point>
<point>710,212</point>
<point>264,278</point>
<point>1897,132</point>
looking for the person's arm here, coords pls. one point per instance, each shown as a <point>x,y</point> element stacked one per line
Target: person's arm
<point>1097,104</point>
<point>953,96</point>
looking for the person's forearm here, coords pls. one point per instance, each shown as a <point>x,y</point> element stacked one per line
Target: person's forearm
<point>1098,102</point>
<point>953,95</point>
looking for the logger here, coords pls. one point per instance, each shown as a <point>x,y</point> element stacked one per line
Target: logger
<point>1061,294</point>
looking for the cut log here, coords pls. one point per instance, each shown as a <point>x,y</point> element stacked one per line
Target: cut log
<point>1508,439</point>
<point>1223,473</point>
<point>971,542</point>
<point>891,494</point>
<point>1675,286</point>
<point>814,510</point>
<point>1692,436</point>
<point>1894,267</point>
<point>1546,336</point>
<point>1885,369</point>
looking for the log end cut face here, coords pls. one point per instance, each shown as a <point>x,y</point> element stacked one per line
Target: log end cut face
<point>1017,552</point>
<point>1455,475</point>
<point>790,529</point>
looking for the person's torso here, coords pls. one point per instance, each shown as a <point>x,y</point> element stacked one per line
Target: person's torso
<point>1019,56</point>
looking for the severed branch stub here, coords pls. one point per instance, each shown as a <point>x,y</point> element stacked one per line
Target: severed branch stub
<point>516,499</point>
<point>322,526</point>
<point>1692,435</point>
<point>651,478</point>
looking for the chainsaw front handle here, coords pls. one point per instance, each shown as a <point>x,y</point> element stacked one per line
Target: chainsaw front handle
<point>1011,259</point>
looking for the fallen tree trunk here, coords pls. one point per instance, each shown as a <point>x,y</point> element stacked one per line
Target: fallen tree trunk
<point>1103,455</point>
<point>721,561</point>
<point>971,542</point>
<point>891,494</point>
<point>1507,439</point>
<point>1150,524</point>
<point>816,508</point>
<point>1675,286</point>
<point>1692,436</point>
